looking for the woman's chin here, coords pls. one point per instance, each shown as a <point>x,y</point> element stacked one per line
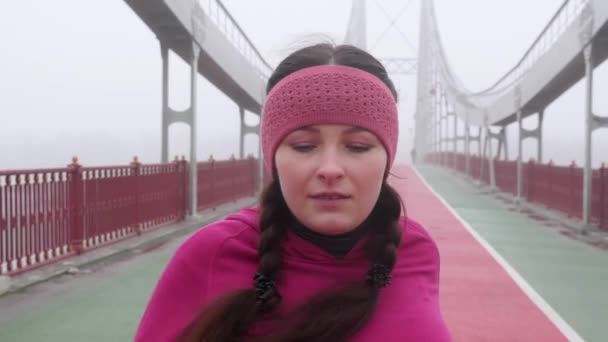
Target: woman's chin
<point>332,225</point>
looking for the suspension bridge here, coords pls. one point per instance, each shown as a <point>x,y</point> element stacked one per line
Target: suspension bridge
<point>523,244</point>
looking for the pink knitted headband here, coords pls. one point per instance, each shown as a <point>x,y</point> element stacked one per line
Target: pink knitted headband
<point>329,94</point>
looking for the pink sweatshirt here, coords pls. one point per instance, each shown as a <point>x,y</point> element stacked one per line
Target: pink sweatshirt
<point>222,257</point>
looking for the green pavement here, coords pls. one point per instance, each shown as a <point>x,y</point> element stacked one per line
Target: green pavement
<point>105,306</point>
<point>571,276</point>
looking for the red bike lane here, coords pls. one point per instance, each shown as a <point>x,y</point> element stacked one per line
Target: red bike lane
<point>480,300</point>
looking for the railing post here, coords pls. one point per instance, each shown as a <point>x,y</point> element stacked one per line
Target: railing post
<point>587,173</point>
<point>164,154</point>
<point>519,156</point>
<point>194,58</point>
<point>242,133</point>
<point>135,170</point>
<point>491,159</point>
<point>76,207</point>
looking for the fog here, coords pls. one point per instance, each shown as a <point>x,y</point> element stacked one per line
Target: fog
<point>83,78</point>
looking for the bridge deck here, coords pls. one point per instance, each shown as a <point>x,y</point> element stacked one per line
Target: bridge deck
<point>567,275</point>
<point>480,299</point>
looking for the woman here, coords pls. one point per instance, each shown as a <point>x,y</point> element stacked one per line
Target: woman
<point>327,256</point>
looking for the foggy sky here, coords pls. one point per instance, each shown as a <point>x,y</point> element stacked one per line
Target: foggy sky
<point>83,78</point>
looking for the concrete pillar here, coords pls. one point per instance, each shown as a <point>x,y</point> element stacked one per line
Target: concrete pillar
<point>488,153</point>
<point>193,136</point>
<point>539,152</point>
<point>519,156</point>
<point>592,122</point>
<point>491,158</point>
<point>245,129</point>
<point>499,137</point>
<point>164,153</point>
<point>524,134</point>
<point>242,133</point>
<point>502,142</point>
<point>588,53</point>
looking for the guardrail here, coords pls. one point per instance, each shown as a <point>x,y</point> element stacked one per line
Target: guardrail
<point>555,187</point>
<point>47,215</point>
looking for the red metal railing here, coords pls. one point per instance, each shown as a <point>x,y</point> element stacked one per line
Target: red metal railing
<point>224,181</point>
<point>506,176</point>
<point>162,193</point>
<point>461,163</point>
<point>35,217</point>
<point>475,164</point>
<point>556,187</point>
<point>49,214</point>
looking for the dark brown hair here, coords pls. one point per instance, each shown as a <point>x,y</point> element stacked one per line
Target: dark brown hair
<point>331,316</point>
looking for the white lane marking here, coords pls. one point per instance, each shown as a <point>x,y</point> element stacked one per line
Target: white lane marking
<point>536,298</point>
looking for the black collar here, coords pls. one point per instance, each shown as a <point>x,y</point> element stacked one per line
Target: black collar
<point>336,245</point>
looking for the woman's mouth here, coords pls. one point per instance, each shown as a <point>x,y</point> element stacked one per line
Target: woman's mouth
<point>330,196</point>
<point>328,199</point>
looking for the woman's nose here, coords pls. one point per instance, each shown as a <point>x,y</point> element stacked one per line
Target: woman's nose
<point>330,167</point>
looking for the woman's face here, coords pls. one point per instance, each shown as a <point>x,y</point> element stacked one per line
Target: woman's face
<point>331,175</point>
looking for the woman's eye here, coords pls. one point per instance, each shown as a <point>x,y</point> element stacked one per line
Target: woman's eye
<point>359,148</point>
<point>303,147</point>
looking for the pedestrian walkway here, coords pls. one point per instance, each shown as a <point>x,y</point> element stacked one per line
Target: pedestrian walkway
<point>504,277</point>
<point>507,276</point>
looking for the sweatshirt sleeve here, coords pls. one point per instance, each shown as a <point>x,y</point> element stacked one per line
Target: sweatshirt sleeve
<point>178,295</point>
